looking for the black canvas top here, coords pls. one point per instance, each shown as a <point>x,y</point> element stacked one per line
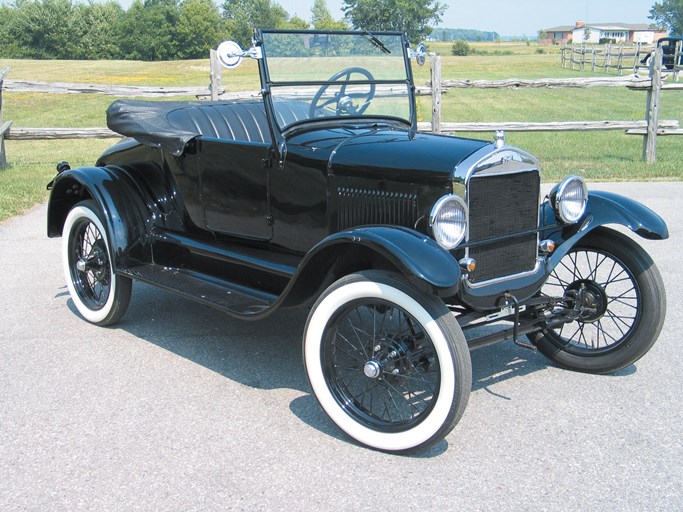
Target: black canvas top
<point>147,122</point>
<point>170,125</point>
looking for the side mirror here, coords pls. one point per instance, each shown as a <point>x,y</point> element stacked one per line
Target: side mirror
<point>230,53</point>
<point>420,54</point>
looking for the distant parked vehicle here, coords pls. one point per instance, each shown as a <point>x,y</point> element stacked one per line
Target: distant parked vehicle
<point>668,45</point>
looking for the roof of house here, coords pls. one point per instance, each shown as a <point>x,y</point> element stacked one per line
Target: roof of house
<point>561,28</point>
<point>635,27</point>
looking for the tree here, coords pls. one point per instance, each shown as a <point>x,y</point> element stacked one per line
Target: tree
<point>411,16</point>
<point>99,39</point>
<point>47,29</point>
<point>147,31</point>
<point>322,19</point>
<point>9,47</point>
<point>296,23</point>
<point>242,16</point>
<point>198,28</point>
<point>461,49</point>
<point>669,13</point>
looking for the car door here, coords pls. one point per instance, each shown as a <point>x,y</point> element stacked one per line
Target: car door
<point>235,188</point>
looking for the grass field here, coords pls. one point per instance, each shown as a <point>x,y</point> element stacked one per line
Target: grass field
<point>595,155</point>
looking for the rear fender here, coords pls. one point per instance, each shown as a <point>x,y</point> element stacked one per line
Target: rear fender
<point>127,216</point>
<point>603,208</point>
<point>419,258</point>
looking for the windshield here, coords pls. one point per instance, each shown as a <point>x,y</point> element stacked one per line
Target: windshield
<point>336,75</point>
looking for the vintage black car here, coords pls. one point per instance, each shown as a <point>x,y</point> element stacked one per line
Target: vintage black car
<point>408,247</point>
<point>669,46</point>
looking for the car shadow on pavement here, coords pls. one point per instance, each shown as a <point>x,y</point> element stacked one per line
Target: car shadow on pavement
<point>266,354</point>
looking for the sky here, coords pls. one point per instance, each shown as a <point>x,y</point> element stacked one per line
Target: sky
<point>507,17</point>
<point>515,17</point>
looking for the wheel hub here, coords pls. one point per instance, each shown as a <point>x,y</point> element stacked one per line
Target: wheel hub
<point>95,262</point>
<point>591,298</point>
<point>372,369</point>
<point>388,358</point>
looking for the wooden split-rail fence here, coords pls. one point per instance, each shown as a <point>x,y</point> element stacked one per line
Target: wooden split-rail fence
<point>620,58</point>
<point>649,128</point>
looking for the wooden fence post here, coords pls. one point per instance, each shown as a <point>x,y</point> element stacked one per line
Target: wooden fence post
<point>636,58</point>
<point>4,126</point>
<point>650,141</point>
<point>216,74</point>
<point>435,70</point>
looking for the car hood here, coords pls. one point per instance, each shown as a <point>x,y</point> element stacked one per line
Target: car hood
<point>384,153</point>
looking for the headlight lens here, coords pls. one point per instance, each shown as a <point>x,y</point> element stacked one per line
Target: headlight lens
<point>569,199</point>
<point>448,221</point>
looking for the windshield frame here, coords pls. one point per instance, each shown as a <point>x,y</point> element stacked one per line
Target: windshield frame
<point>267,84</point>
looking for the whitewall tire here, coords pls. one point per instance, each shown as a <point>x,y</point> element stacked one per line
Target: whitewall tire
<point>388,364</point>
<point>100,295</point>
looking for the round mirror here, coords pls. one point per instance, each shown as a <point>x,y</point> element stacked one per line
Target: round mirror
<point>420,54</point>
<point>230,54</point>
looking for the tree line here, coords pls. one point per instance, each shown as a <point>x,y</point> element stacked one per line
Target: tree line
<point>460,34</point>
<point>182,29</point>
<point>669,14</point>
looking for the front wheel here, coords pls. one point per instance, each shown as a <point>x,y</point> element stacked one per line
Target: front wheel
<point>624,304</point>
<point>100,295</point>
<point>388,364</point>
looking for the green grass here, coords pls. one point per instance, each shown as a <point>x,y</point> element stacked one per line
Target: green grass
<point>22,186</point>
<point>595,155</point>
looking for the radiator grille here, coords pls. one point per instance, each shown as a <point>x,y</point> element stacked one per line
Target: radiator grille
<point>360,207</point>
<point>499,206</point>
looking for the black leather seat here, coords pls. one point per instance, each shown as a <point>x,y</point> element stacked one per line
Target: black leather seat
<point>241,121</point>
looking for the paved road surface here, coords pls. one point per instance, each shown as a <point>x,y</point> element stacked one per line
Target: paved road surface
<point>182,408</point>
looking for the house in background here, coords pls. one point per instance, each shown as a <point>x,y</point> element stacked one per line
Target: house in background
<point>558,35</point>
<point>595,32</point>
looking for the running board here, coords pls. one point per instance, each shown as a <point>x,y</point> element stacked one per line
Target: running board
<point>224,295</point>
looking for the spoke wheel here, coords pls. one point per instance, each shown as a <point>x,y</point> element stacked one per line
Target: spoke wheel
<point>622,299</point>
<point>91,275</point>
<point>389,365</point>
<point>98,293</point>
<point>381,365</point>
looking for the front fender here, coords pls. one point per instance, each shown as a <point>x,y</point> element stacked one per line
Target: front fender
<point>419,258</point>
<point>610,208</point>
<point>126,215</point>
<point>603,208</point>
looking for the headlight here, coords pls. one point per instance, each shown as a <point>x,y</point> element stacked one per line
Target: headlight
<point>448,221</point>
<point>569,198</point>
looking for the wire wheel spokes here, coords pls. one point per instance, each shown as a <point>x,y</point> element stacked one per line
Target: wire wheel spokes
<point>90,269</point>
<point>381,366</point>
<point>613,299</point>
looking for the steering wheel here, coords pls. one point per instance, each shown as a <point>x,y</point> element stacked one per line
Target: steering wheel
<point>344,101</point>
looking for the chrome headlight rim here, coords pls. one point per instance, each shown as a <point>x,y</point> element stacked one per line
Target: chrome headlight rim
<point>560,199</point>
<point>436,222</point>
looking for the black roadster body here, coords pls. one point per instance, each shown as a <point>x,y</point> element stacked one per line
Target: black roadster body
<point>322,193</point>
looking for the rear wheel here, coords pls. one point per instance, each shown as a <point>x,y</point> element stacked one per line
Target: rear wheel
<point>100,295</point>
<point>387,363</point>
<point>624,304</point>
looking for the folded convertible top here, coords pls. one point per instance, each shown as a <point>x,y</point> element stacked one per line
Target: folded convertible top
<point>172,124</point>
<point>148,123</point>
